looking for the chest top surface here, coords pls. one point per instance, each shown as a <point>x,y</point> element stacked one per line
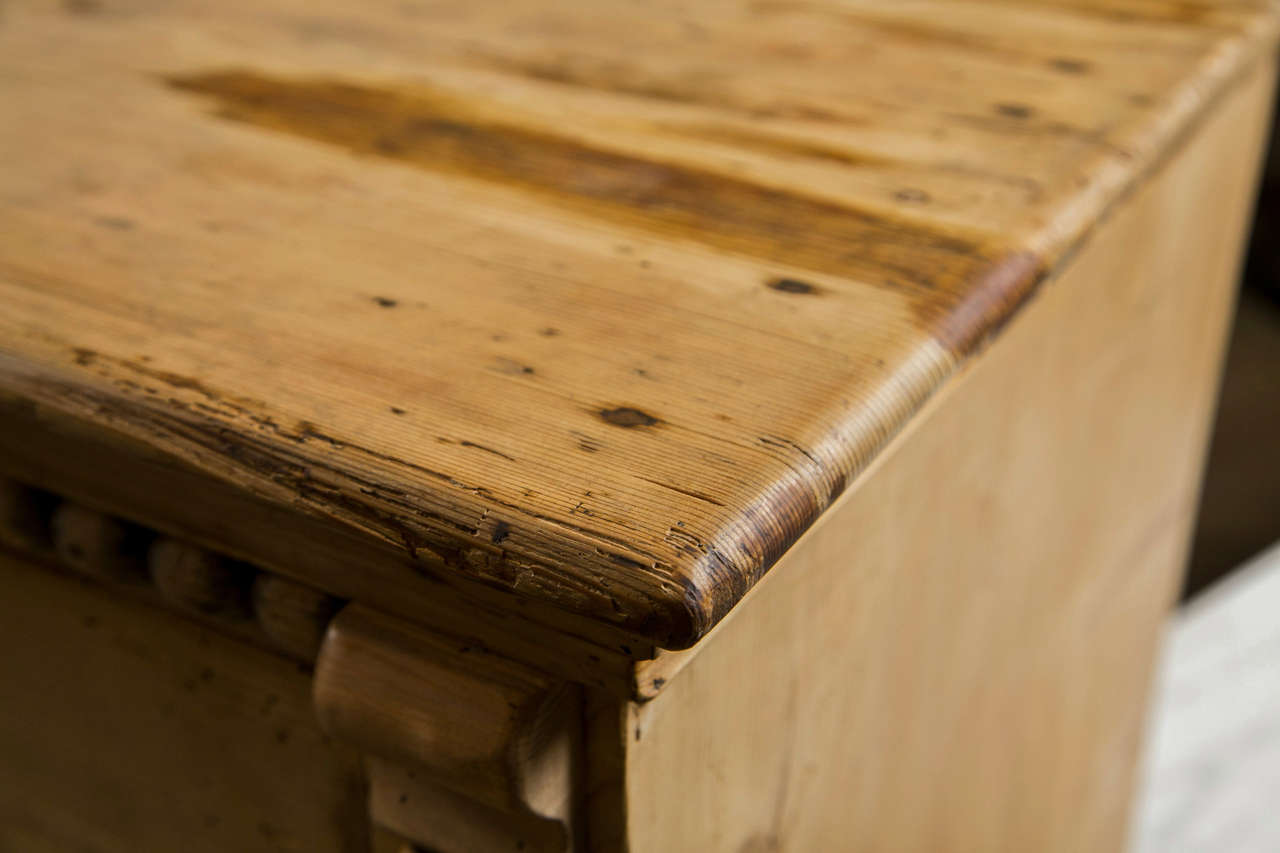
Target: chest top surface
<point>603,304</point>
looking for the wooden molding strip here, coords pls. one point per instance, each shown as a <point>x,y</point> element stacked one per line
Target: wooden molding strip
<point>100,468</point>
<point>249,602</point>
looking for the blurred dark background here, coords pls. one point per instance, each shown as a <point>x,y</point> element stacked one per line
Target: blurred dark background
<point>1240,506</point>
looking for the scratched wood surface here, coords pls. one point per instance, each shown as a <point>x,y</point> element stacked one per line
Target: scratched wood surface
<point>602,307</point>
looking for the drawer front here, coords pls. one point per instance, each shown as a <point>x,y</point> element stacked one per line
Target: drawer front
<point>124,727</point>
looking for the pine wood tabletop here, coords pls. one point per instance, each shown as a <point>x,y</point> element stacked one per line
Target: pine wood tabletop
<point>601,304</point>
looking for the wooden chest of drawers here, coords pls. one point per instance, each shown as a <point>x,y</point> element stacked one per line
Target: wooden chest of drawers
<point>740,426</point>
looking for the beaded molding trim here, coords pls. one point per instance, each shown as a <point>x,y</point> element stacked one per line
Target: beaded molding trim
<point>248,601</point>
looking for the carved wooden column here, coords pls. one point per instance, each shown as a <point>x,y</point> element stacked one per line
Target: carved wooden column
<point>465,750</point>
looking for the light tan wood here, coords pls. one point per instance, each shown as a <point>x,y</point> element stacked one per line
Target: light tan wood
<point>603,310</point>
<point>127,728</point>
<point>459,738</point>
<point>956,658</point>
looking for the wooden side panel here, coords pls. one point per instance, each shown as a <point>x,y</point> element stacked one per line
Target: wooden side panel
<point>125,728</point>
<point>957,657</point>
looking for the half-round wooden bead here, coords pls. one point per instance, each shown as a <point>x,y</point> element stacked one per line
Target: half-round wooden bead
<point>294,616</point>
<point>199,580</point>
<point>94,543</point>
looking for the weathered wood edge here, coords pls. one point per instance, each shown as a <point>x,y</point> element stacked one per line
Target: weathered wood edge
<point>1003,289</point>
<point>677,614</point>
<point>73,460</point>
<point>650,676</point>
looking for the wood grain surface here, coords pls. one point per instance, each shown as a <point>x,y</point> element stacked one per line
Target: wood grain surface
<point>601,307</point>
<point>957,657</point>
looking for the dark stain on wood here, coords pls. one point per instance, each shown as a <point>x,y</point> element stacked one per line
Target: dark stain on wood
<point>396,410</point>
<point>1018,111</point>
<point>511,367</point>
<point>997,294</point>
<point>687,492</point>
<point>1067,65</point>
<point>472,444</point>
<point>501,531</point>
<point>444,133</point>
<point>626,416</point>
<point>791,285</point>
<point>384,302</point>
<point>961,286</point>
<point>82,7</point>
<point>115,223</point>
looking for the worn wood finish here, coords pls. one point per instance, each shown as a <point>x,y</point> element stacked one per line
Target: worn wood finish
<point>601,309</point>
<point>532,338</point>
<point>468,750</point>
<point>126,728</point>
<point>91,465</point>
<point>956,657</point>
